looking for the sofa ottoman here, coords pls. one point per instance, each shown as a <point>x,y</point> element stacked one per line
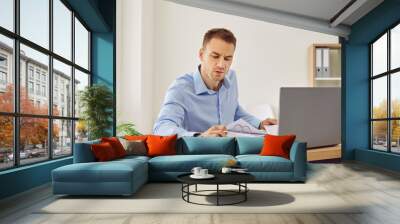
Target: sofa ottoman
<point>119,177</point>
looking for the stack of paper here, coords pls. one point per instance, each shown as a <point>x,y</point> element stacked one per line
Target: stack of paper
<point>243,128</point>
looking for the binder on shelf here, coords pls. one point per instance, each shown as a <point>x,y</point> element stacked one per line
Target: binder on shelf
<point>318,62</point>
<point>325,63</point>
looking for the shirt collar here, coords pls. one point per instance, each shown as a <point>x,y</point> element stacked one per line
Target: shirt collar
<point>200,87</point>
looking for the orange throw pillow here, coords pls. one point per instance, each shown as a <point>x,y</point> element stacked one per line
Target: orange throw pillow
<point>277,145</point>
<point>103,152</point>
<point>136,137</point>
<point>161,145</point>
<point>116,145</point>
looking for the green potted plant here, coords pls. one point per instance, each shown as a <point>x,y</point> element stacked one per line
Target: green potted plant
<point>127,129</point>
<point>96,103</point>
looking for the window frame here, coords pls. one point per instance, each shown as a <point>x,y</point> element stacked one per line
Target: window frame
<point>388,74</point>
<point>15,72</point>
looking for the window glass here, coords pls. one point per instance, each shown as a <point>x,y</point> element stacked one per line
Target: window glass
<point>6,74</point>
<point>379,55</point>
<point>395,95</point>
<point>34,21</point>
<point>7,14</point>
<point>81,82</point>
<point>62,91</point>
<point>81,45</point>
<point>81,131</point>
<point>62,137</point>
<point>39,62</point>
<point>395,47</point>
<point>379,97</point>
<point>6,142</point>
<point>379,135</point>
<point>62,29</point>
<point>395,136</point>
<point>33,140</point>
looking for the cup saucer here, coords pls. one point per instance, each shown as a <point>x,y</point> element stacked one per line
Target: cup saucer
<point>208,176</point>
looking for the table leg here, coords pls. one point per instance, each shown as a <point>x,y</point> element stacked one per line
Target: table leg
<point>188,190</point>
<point>196,188</point>
<point>217,194</point>
<point>245,193</point>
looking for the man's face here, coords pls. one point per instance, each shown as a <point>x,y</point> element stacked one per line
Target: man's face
<point>216,58</point>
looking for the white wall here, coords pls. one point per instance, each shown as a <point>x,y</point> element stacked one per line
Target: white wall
<point>268,56</point>
<point>135,63</point>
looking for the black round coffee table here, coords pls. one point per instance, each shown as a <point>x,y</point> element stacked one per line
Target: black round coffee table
<point>238,179</point>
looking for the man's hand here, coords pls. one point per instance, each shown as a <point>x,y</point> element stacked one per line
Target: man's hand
<point>266,122</point>
<point>215,131</point>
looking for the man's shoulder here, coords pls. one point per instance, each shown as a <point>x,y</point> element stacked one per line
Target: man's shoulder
<point>184,81</point>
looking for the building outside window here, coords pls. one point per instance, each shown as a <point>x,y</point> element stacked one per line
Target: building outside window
<point>3,78</point>
<point>44,77</point>
<point>30,87</point>
<point>43,90</point>
<point>3,61</point>
<point>3,71</point>
<point>37,74</point>
<point>30,72</point>
<point>38,89</point>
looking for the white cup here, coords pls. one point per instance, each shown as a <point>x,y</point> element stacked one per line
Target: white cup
<point>196,170</point>
<point>203,172</point>
<point>226,170</point>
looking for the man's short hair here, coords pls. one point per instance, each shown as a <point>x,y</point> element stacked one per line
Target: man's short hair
<point>221,33</point>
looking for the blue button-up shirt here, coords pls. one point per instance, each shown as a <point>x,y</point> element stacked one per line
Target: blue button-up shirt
<point>190,107</point>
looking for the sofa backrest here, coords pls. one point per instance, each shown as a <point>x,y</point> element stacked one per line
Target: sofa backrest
<point>210,145</point>
<point>190,146</point>
<point>249,145</point>
<point>83,153</point>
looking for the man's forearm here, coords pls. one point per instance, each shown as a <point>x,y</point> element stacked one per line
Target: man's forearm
<point>169,128</point>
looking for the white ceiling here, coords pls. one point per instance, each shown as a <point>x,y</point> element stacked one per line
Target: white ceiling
<point>320,9</point>
<point>314,15</point>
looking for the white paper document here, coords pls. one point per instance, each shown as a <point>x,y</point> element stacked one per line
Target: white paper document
<point>241,128</point>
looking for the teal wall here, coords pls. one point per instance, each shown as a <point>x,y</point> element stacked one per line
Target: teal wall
<point>24,178</point>
<point>99,16</point>
<point>356,84</point>
<point>103,64</point>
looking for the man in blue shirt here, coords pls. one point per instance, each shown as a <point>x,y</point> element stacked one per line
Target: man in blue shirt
<point>202,103</point>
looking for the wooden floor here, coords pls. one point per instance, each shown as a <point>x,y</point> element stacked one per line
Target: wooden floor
<point>377,188</point>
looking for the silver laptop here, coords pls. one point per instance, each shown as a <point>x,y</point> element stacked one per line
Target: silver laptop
<point>312,114</point>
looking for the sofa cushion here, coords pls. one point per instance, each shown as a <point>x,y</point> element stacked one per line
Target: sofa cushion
<point>185,163</point>
<point>116,145</point>
<point>257,163</point>
<point>161,145</point>
<point>103,152</point>
<point>275,145</point>
<point>249,145</point>
<point>131,158</point>
<point>111,171</point>
<point>134,147</point>
<point>210,145</point>
<point>136,137</point>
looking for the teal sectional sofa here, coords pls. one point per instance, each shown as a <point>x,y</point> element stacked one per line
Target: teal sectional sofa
<point>125,176</point>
